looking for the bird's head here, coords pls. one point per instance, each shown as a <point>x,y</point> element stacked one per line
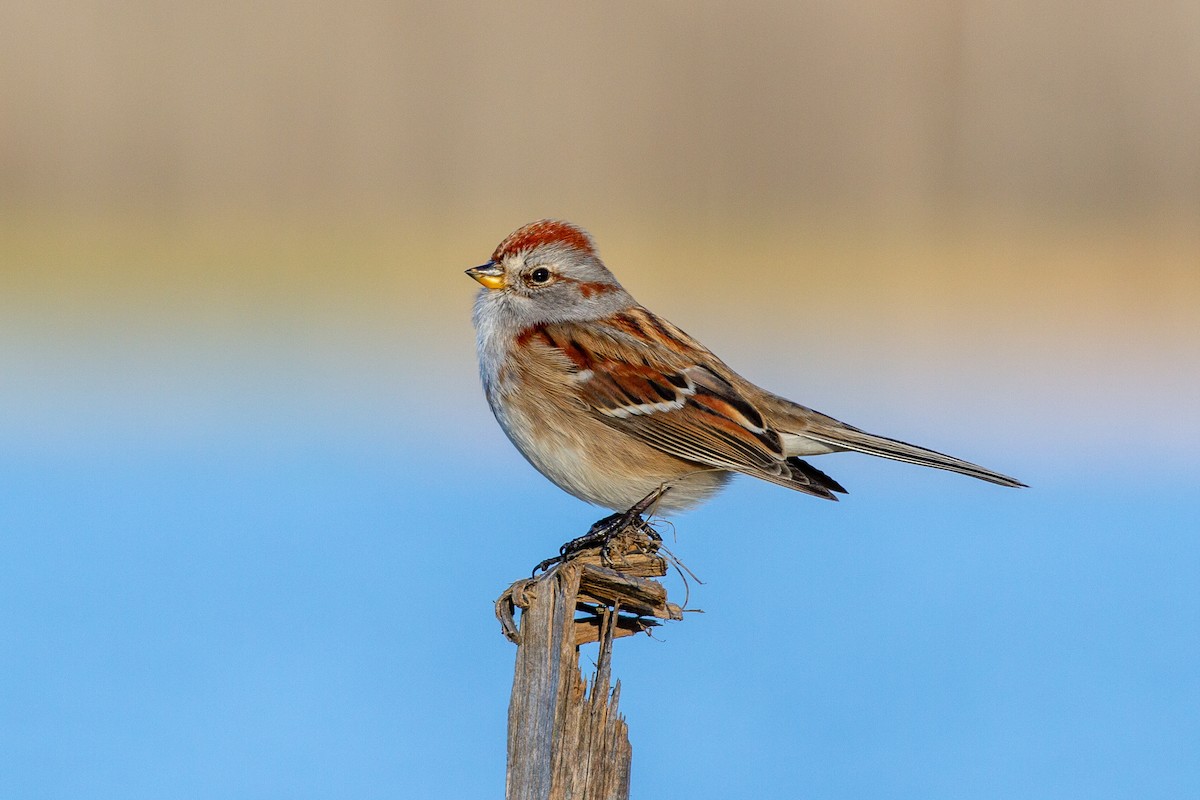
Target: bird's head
<point>548,271</point>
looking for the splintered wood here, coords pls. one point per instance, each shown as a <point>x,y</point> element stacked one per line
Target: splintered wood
<point>564,741</point>
<point>636,603</point>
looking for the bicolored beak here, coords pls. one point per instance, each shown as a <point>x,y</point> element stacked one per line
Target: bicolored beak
<point>491,275</point>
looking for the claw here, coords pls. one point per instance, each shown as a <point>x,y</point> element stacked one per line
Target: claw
<point>604,531</point>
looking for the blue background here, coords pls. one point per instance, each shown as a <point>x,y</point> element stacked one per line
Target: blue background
<point>311,616</point>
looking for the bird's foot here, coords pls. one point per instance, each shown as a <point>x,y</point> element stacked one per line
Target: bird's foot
<point>605,532</point>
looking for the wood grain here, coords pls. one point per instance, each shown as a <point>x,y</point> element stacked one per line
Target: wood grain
<point>566,738</point>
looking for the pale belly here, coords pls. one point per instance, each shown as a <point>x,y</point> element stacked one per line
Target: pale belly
<point>585,457</point>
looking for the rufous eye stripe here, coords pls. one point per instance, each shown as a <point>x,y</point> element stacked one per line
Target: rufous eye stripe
<point>589,290</point>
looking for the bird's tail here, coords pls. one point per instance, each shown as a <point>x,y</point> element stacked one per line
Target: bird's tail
<point>847,437</point>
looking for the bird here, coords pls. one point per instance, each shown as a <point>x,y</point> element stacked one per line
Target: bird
<point>623,409</point>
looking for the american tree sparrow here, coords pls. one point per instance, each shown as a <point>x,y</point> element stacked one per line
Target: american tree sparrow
<point>615,404</point>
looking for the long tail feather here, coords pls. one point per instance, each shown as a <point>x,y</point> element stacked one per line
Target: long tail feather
<point>850,438</point>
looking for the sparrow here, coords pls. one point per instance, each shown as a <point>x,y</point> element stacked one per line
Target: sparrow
<point>616,405</point>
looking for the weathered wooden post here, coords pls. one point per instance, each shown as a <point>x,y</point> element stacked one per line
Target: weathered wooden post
<point>563,741</point>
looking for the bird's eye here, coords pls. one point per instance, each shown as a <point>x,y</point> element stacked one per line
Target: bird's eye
<point>540,275</point>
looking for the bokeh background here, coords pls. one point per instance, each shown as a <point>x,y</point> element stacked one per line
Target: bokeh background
<point>253,507</point>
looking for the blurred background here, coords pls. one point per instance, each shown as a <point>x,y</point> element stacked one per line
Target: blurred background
<point>254,509</point>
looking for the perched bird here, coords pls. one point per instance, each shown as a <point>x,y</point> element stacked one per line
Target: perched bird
<point>614,404</point>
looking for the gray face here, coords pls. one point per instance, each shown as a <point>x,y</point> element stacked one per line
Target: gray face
<point>557,284</point>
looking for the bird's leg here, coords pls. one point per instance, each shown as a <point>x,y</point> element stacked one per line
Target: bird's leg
<point>604,531</point>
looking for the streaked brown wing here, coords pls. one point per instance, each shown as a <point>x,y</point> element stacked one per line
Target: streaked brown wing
<point>641,375</point>
<point>703,420</point>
